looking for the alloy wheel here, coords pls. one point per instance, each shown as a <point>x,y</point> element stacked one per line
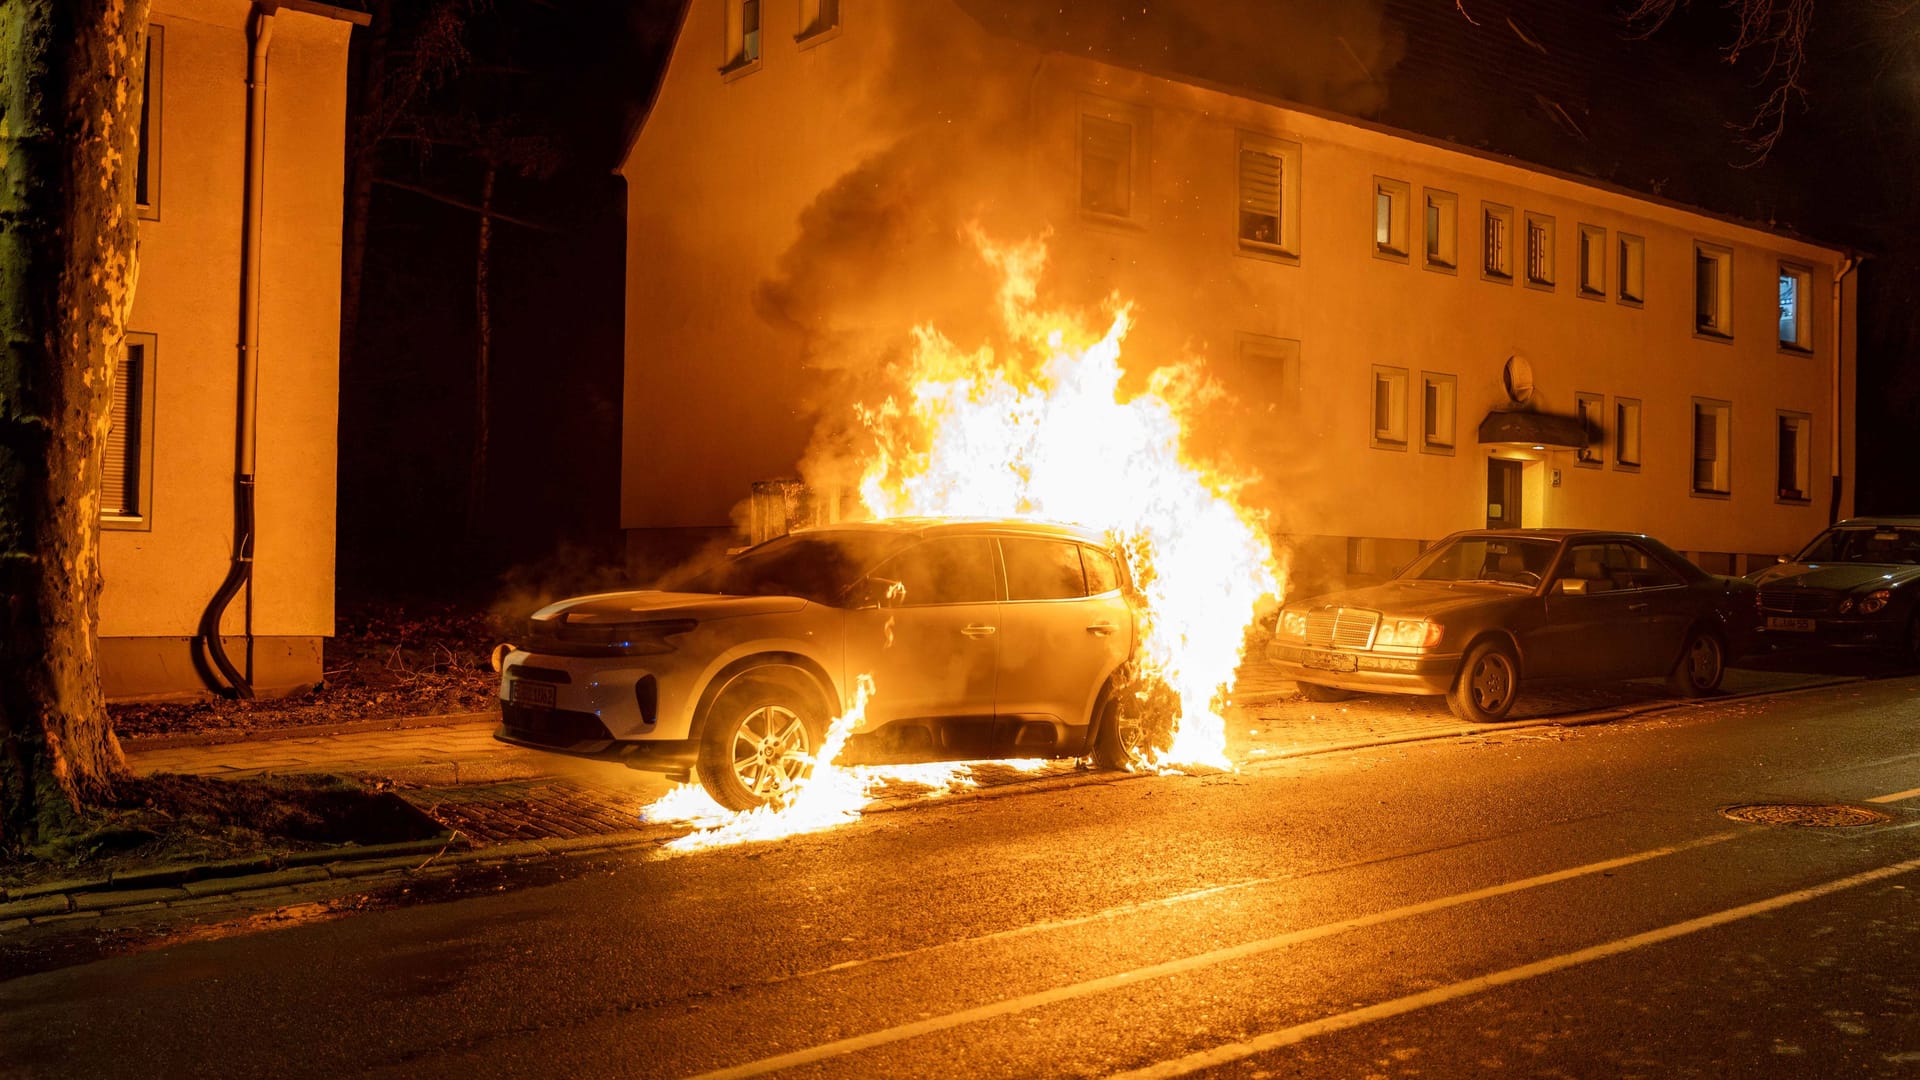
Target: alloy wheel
<point>1492,682</point>
<point>771,751</point>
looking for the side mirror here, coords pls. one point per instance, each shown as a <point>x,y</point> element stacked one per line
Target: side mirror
<point>1782,559</point>
<point>1570,586</point>
<point>878,592</point>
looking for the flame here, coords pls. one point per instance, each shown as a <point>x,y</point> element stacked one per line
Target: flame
<point>1045,430</point>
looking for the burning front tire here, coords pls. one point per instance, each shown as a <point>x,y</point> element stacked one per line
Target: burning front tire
<point>1134,724</point>
<point>759,742</point>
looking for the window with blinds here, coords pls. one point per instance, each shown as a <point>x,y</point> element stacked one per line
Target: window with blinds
<point>1267,175</point>
<point>1712,447</point>
<point>125,472</point>
<point>1540,254</point>
<point>1496,253</point>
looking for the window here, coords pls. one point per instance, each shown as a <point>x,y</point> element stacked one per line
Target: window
<point>1438,393</point>
<point>1796,288</point>
<point>1593,262</point>
<point>1443,230</point>
<point>1103,575</point>
<point>126,457</point>
<point>1613,567</point>
<point>1793,453</point>
<point>1269,223</point>
<point>950,570</point>
<point>1626,434</point>
<point>1540,251</point>
<point>817,18</point>
<point>1390,407</point>
<point>1496,242</point>
<point>1712,290</point>
<point>146,164</point>
<point>1591,409</point>
<point>1633,269</point>
<point>1390,205</point>
<point>1112,161</point>
<point>1712,447</point>
<point>743,36</point>
<point>1043,569</point>
<point>1271,366</point>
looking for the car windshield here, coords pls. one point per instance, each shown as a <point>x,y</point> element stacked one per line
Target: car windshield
<point>1864,544</point>
<point>1501,560</point>
<point>817,566</point>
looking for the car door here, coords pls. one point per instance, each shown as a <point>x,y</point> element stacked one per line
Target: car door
<point>933,648</point>
<point>1592,628</point>
<point>1058,644</point>
<point>1664,604</point>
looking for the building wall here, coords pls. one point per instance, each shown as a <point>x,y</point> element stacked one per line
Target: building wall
<point>732,175</point>
<point>160,572</point>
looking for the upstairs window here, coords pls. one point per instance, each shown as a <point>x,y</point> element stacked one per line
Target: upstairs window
<point>1389,407</point>
<point>1443,230</point>
<point>818,17</point>
<point>1496,242</point>
<point>1712,447</point>
<point>743,36</point>
<point>1591,409</point>
<point>1593,262</point>
<point>1269,182</point>
<point>146,162</point>
<point>1796,289</point>
<point>1713,290</point>
<point>1390,199</point>
<point>1270,367</point>
<point>1626,433</point>
<point>1112,158</point>
<point>1540,251</point>
<point>126,457</point>
<point>1793,453</point>
<point>1633,269</point>
<point>1438,411</point>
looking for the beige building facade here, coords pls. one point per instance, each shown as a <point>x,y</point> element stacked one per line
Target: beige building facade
<point>169,530</point>
<point>1416,337</point>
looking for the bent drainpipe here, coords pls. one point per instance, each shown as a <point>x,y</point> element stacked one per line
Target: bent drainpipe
<point>1847,266</point>
<point>240,572</point>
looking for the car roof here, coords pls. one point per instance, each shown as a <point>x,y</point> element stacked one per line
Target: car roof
<point>1902,521</point>
<point>923,527</point>
<point>1557,534</point>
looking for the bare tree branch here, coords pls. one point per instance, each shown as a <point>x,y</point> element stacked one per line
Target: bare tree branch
<point>462,204</point>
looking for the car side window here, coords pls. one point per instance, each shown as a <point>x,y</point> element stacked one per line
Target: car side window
<point>1631,567</point>
<point>1588,563</point>
<point>950,570</point>
<point>1043,569</point>
<point>1102,575</point>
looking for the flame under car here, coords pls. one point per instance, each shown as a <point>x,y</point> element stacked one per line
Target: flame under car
<point>1481,612</point>
<point>984,639</point>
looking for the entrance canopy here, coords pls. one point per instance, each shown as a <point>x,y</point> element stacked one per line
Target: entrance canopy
<point>1533,430</point>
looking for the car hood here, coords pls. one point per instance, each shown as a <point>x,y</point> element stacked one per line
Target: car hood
<point>1412,599</point>
<point>648,604</point>
<point>1838,577</point>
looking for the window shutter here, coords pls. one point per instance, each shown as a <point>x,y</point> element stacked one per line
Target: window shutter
<point>119,457</point>
<point>1260,183</point>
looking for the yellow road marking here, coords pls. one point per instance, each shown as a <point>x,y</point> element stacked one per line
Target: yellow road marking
<point>1896,796</point>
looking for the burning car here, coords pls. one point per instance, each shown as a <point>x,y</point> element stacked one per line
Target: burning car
<point>1480,612</point>
<point>1857,583</point>
<point>983,639</point>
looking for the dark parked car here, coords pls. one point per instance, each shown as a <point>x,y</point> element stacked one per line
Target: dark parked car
<point>1480,612</point>
<point>1858,583</point>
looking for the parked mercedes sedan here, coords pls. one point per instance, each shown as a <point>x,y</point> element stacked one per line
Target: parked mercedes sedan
<point>1857,583</point>
<point>1481,612</point>
<point>984,639</point>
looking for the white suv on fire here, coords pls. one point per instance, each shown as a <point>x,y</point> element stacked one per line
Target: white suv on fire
<point>984,639</point>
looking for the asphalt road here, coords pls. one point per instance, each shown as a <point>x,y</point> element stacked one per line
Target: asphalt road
<point>1556,902</point>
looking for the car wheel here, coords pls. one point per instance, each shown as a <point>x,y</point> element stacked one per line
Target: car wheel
<point>1487,685</point>
<point>1134,723</point>
<point>1316,692</point>
<point>758,743</point>
<point>1702,663</point>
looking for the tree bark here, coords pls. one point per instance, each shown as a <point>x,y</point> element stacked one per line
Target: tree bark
<point>483,354</point>
<point>70,85</point>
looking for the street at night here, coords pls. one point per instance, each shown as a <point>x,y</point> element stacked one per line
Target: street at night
<point>1563,901</point>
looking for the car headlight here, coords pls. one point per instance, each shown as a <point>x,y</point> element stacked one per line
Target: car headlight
<point>1874,601</point>
<point>1408,633</point>
<point>1293,623</point>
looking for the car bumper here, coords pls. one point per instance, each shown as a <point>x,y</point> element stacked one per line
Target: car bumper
<point>607,699</point>
<point>1366,672</point>
<point>582,735</point>
<point>1866,633</point>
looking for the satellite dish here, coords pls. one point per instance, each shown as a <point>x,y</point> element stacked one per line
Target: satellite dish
<point>1518,377</point>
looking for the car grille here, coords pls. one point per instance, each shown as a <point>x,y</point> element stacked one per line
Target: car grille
<point>551,727</point>
<point>1342,628</point>
<point>1788,601</point>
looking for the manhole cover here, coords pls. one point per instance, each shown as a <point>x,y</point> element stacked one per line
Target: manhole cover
<point>1809,815</point>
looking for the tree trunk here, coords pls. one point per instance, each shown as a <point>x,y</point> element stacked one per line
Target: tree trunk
<point>483,355</point>
<point>70,83</point>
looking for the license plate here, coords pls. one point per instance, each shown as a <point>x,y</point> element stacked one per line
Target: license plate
<point>528,692</point>
<point>1781,622</point>
<point>1329,662</point>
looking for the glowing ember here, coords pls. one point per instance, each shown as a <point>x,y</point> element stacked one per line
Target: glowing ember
<point>1045,431</point>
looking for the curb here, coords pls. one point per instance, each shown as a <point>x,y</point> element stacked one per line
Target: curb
<point>138,743</point>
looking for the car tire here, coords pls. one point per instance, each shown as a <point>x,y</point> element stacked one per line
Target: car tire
<point>1141,725</point>
<point>1114,739</point>
<point>1702,664</point>
<point>1316,692</point>
<point>757,744</point>
<point>1487,684</point>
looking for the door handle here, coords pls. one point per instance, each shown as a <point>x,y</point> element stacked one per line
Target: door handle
<point>975,630</point>
<point>1101,629</point>
<point>1640,607</point>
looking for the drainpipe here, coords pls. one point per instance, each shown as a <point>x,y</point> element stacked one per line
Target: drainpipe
<point>1847,266</point>
<point>240,572</point>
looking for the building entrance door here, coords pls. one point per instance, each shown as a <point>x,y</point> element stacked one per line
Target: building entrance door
<point>1503,493</point>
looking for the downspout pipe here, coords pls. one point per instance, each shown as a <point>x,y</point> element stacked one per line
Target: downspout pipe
<point>1847,266</point>
<point>240,571</point>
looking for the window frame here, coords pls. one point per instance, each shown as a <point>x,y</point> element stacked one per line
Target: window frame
<point>1490,212</point>
<point>1286,246</point>
<point>1723,448</point>
<point>1399,196</point>
<point>1805,453</point>
<point>1448,218</point>
<point>1622,463</point>
<point>1394,376</point>
<point>1722,257</point>
<point>1802,345</point>
<point>734,59</point>
<point>1591,238</point>
<point>1591,409</point>
<point>152,109</point>
<point>1437,380</point>
<point>1250,349</point>
<point>1546,227</point>
<point>824,26</point>
<point>141,520</point>
<point>1631,271</point>
<point>1136,118</point>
